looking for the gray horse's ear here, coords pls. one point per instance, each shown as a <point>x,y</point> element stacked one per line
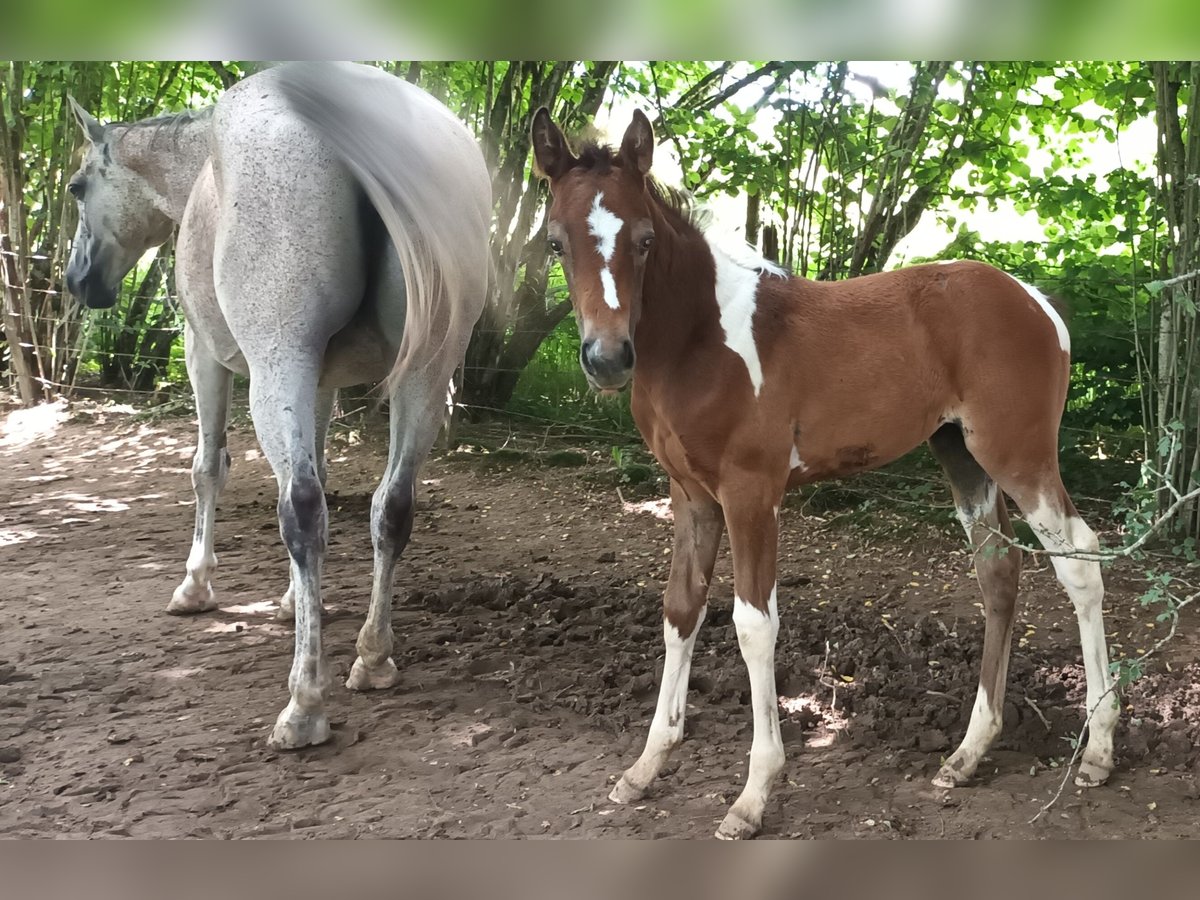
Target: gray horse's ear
<point>638,144</point>
<point>551,155</point>
<point>92,129</point>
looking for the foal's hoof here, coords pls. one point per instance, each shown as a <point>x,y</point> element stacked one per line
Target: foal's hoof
<point>948,778</point>
<point>295,729</point>
<point>1092,775</point>
<point>624,792</point>
<point>735,828</point>
<point>190,599</point>
<point>952,774</point>
<point>380,678</point>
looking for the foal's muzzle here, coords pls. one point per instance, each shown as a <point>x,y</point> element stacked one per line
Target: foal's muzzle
<point>608,366</point>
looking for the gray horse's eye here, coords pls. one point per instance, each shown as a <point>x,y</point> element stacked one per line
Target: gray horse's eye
<point>75,189</point>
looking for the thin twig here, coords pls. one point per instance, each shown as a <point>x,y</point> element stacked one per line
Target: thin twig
<point>1035,708</point>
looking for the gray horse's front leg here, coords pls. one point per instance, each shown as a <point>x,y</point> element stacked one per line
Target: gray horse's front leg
<point>211,384</point>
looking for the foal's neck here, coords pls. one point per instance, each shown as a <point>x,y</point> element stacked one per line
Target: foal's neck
<point>169,158</point>
<point>679,310</point>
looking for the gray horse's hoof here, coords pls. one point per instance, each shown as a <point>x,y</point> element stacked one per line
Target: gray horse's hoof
<point>296,728</point>
<point>624,792</point>
<point>735,828</point>
<point>191,598</point>
<point>380,678</point>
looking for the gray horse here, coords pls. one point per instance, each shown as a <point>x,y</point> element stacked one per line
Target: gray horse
<point>285,194</point>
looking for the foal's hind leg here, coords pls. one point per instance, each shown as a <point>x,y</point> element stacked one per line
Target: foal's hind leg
<point>699,524</point>
<point>1028,472</point>
<point>982,511</point>
<point>211,384</point>
<point>1058,526</point>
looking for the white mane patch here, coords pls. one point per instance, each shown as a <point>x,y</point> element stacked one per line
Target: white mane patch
<point>604,226</point>
<point>1064,338</point>
<point>737,298</point>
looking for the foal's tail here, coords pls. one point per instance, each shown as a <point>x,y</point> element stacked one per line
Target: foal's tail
<point>425,174</point>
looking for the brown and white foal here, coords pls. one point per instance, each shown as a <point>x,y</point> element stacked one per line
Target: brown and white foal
<point>747,382</point>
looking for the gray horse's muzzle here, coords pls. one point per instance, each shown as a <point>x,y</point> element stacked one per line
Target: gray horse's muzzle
<point>86,282</point>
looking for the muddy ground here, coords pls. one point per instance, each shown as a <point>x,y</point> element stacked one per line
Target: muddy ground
<point>527,618</point>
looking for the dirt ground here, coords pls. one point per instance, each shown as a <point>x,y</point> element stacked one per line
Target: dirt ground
<point>528,634</point>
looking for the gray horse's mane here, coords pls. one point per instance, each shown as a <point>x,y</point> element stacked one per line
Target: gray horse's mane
<point>169,125</point>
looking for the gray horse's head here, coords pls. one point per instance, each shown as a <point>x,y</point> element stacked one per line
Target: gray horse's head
<point>119,217</point>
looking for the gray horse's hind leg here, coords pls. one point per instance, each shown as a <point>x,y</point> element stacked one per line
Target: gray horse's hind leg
<point>326,398</point>
<point>281,404</point>
<point>415,421</point>
<point>211,383</point>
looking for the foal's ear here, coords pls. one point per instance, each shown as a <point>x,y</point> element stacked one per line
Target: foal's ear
<point>551,155</point>
<point>638,144</point>
<point>92,129</point>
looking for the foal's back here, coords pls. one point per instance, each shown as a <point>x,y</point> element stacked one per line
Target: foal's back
<point>872,366</point>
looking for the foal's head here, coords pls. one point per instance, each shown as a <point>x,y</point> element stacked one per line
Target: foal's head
<point>600,226</point>
<point>118,218</point>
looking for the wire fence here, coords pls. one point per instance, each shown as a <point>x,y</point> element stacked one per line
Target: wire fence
<point>99,354</point>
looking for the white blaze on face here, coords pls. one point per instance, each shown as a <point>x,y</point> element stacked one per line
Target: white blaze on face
<point>604,226</point>
<point>737,293</point>
<point>1064,339</point>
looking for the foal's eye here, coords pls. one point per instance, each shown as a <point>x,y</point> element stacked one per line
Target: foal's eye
<point>556,246</point>
<point>644,243</point>
<point>75,189</point>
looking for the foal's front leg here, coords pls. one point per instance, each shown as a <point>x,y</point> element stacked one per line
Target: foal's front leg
<point>699,523</point>
<point>754,538</point>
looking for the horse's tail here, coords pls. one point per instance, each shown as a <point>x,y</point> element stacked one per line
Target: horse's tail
<point>425,174</point>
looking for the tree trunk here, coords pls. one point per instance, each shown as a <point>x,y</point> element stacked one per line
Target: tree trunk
<point>1175,403</point>
<point>517,319</point>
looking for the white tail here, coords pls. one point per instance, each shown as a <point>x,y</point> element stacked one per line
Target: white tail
<point>425,175</point>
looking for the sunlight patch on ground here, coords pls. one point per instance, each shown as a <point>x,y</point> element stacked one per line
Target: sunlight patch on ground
<point>660,509</point>
<point>178,674</point>
<point>22,427</point>
<point>271,628</point>
<point>258,608</point>
<point>12,536</point>
<point>84,503</point>
<point>825,720</point>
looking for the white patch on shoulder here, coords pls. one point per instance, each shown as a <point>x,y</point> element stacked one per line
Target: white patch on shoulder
<point>737,297</point>
<point>604,226</point>
<point>796,461</point>
<point>1064,338</point>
